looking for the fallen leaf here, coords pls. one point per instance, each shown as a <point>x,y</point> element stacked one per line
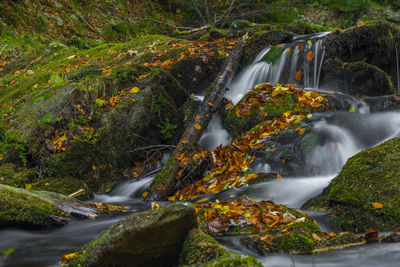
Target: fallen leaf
<point>67,257</point>
<point>310,56</point>
<point>316,237</point>
<point>377,205</point>
<point>134,90</point>
<point>144,195</point>
<point>197,127</point>
<point>298,76</point>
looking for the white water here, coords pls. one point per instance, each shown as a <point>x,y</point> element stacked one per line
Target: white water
<point>284,70</point>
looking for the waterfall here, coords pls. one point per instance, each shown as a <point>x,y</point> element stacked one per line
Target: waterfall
<point>294,59</point>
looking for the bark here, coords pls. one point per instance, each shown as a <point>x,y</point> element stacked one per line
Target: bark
<point>173,177</point>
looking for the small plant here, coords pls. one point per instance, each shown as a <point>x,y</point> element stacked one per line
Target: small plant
<point>46,118</point>
<point>9,142</point>
<point>167,129</point>
<point>81,119</point>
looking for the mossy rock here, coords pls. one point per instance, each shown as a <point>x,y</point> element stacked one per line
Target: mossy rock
<point>301,238</point>
<point>201,248</point>
<point>13,175</point>
<point>263,39</point>
<point>233,260</point>
<point>19,207</point>
<point>216,33</point>
<point>151,238</point>
<point>356,78</point>
<point>374,42</point>
<point>38,209</point>
<point>302,27</point>
<point>123,129</point>
<point>368,177</point>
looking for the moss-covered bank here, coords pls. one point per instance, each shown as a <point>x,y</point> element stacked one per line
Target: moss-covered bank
<point>366,193</point>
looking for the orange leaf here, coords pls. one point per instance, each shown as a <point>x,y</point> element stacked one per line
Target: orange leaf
<point>210,104</point>
<point>197,127</point>
<point>310,56</point>
<point>144,195</point>
<point>377,205</point>
<point>278,176</point>
<point>229,69</point>
<point>298,76</point>
<point>300,46</point>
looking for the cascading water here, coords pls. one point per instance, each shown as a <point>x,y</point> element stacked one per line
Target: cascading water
<point>339,135</point>
<point>294,58</point>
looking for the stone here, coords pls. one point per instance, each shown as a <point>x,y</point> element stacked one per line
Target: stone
<point>150,238</point>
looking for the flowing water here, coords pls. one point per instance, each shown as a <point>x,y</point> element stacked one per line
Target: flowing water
<point>341,135</point>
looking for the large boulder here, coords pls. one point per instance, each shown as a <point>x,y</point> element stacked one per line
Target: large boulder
<point>151,238</point>
<point>358,58</point>
<point>356,78</point>
<point>365,194</point>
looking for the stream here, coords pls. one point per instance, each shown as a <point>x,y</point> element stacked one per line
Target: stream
<point>344,135</point>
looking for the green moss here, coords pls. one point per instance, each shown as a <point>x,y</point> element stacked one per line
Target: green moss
<point>292,243</point>
<point>275,108</point>
<point>234,260</point>
<point>369,176</point>
<point>19,207</point>
<point>15,176</point>
<point>162,175</point>
<point>216,33</point>
<point>64,186</point>
<point>200,248</point>
<point>301,27</point>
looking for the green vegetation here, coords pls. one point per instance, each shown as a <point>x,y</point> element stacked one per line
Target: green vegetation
<point>368,177</point>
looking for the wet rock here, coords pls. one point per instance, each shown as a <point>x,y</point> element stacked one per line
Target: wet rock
<point>263,39</point>
<point>368,177</point>
<point>301,235</point>
<point>372,43</point>
<point>151,238</point>
<point>356,78</point>
<point>201,248</point>
<point>383,103</point>
<point>393,237</point>
<point>38,209</point>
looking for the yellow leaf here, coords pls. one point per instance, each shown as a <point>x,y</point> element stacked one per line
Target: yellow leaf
<point>377,205</point>
<point>155,206</point>
<point>309,42</point>
<point>134,90</point>
<point>197,127</point>
<point>229,69</point>
<point>28,186</point>
<point>144,195</point>
<point>278,176</point>
<point>67,257</point>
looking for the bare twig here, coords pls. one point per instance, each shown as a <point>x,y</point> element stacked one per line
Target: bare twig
<point>78,193</point>
<point>152,148</point>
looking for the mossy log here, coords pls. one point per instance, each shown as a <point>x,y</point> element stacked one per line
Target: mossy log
<point>167,181</point>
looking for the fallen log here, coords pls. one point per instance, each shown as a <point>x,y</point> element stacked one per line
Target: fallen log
<point>182,168</point>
